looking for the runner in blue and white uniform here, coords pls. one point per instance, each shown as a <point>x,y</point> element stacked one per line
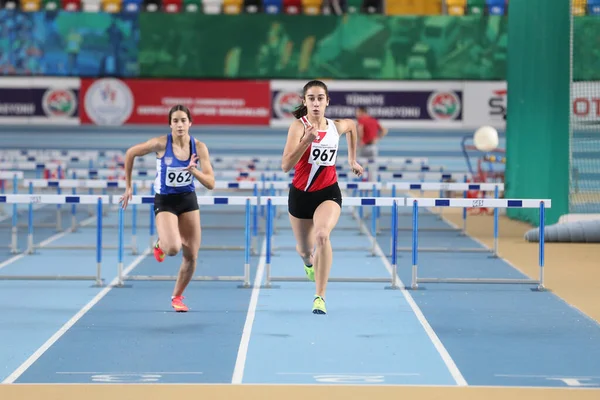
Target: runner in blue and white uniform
<point>176,208</point>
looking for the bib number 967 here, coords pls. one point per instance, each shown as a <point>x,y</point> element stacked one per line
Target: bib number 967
<point>323,156</point>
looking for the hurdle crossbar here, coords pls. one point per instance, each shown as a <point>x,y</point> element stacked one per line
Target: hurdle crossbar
<point>542,204</point>
<point>272,201</point>
<point>32,199</point>
<point>207,200</point>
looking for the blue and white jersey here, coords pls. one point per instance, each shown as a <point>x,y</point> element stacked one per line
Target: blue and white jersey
<point>171,176</point>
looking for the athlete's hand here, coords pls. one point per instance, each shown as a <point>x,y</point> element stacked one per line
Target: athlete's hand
<point>310,134</point>
<point>357,169</point>
<point>124,200</point>
<point>193,162</point>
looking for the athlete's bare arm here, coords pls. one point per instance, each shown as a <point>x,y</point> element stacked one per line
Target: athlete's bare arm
<point>348,127</point>
<point>205,175</point>
<point>155,145</point>
<point>298,140</point>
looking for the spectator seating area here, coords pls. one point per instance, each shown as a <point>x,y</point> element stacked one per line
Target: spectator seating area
<point>306,7</point>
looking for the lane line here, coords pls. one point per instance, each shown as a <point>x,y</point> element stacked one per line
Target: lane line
<point>69,324</point>
<point>240,362</point>
<point>439,346</point>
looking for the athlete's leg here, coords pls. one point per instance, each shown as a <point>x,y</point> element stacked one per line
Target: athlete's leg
<point>305,243</point>
<point>325,219</point>
<point>169,240</point>
<point>191,236</point>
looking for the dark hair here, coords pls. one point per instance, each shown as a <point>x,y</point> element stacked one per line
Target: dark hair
<point>302,110</point>
<point>180,107</point>
<point>362,109</point>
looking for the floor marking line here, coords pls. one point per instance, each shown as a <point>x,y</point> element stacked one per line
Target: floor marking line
<point>351,373</point>
<point>127,373</point>
<point>47,241</point>
<point>40,351</point>
<point>439,346</point>
<point>240,362</point>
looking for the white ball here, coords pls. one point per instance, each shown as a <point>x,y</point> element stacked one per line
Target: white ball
<point>486,138</point>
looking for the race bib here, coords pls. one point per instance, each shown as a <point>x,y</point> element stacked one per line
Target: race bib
<point>323,154</point>
<point>177,177</point>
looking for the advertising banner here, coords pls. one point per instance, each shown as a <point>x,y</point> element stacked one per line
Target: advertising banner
<point>119,102</point>
<point>585,112</point>
<point>43,101</point>
<point>485,104</point>
<point>395,104</point>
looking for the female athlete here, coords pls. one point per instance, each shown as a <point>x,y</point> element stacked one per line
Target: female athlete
<point>176,208</point>
<point>315,199</point>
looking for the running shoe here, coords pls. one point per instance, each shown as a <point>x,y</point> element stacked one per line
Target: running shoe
<point>310,272</point>
<point>319,306</point>
<point>177,303</point>
<point>158,253</point>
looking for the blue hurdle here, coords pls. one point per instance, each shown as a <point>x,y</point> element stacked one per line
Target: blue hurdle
<point>394,203</point>
<point>59,199</point>
<point>415,203</point>
<point>207,200</point>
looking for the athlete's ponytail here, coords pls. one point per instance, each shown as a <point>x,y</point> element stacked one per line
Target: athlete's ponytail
<point>302,110</point>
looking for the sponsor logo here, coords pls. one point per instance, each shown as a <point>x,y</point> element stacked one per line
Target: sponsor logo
<point>285,103</point>
<point>108,102</point>
<point>497,104</point>
<point>443,105</point>
<point>320,136</point>
<point>59,103</point>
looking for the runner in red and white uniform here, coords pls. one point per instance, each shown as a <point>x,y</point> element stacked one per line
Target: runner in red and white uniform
<point>315,199</point>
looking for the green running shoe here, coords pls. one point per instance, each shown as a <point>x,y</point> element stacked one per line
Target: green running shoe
<point>310,272</point>
<point>319,306</point>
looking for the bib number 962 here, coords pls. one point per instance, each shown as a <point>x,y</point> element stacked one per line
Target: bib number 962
<point>176,178</point>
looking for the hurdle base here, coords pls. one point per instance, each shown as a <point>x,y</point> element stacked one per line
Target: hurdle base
<point>270,286</point>
<point>444,250</point>
<point>341,248</point>
<point>122,286</point>
<point>334,279</point>
<point>479,280</point>
<point>414,288</point>
<point>99,285</point>
<point>540,288</point>
<point>51,278</point>
<point>174,278</point>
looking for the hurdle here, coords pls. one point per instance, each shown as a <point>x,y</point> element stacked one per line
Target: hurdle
<point>87,173</point>
<point>212,200</point>
<point>15,176</point>
<point>494,188</point>
<point>394,203</point>
<point>106,185</point>
<point>59,199</point>
<point>542,204</point>
<point>423,176</point>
